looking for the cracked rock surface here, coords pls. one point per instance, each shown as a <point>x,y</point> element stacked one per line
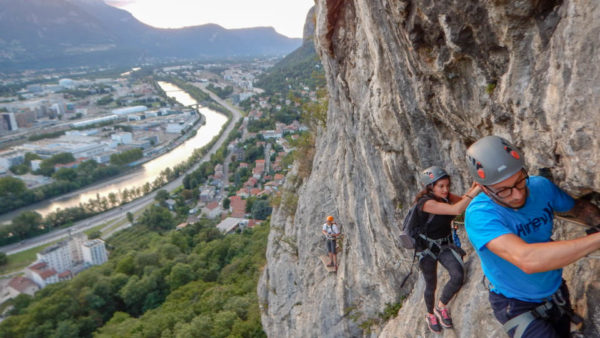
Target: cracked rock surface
<point>413,84</point>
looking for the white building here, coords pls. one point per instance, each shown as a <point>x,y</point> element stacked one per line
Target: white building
<point>76,247</point>
<point>8,121</point>
<point>130,110</point>
<point>151,113</point>
<point>21,285</point>
<point>122,138</point>
<point>94,121</point>
<point>67,83</point>
<point>80,147</point>
<point>11,157</point>
<point>246,95</point>
<point>207,194</point>
<point>267,134</point>
<point>79,133</point>
<point>212,210</point>
<point>57,256</point>
<point>59,108</point>
<point>35,164</point>
<point>229,224</point>
<point>175,128</point>
<point>94,252</point>
<point>41,274</point>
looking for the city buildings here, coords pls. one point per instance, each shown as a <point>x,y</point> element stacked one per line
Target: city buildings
<point>94,252</point>
<point>19,285</point>
<point>230,224</point>
<point>57,256</point>
<point>64,259</point>
<point>8,122</point>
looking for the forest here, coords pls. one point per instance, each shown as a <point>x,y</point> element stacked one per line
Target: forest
<point>158,282</point>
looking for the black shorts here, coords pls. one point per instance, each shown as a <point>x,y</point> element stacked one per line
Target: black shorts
<point>331,246</point>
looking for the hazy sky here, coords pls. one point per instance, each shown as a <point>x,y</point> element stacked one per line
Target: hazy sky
<point>286,16</point>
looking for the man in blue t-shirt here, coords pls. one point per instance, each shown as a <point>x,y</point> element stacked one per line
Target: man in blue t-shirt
<point>510,226</point>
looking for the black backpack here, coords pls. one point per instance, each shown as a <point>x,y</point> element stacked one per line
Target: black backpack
<point>412,228</point>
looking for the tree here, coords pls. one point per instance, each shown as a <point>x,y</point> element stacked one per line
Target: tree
<point>47,165</point>
<point>30,157</point>
<point>261,209</point>
<point>180,275</point>
<point>226,203</point>
<point>65,174</point>
<point>147,188</point>
<point>26,223</point>
<point>95,234</point>
<point>161,196</point>
<point>3,258</point>
<point>126,157</point>
<point>187,194</point>
<point>157,218</point>
<point>223,322</point>
<point>130,217</point>
<point>103,101</point>
<point>19,169</point>
<point>11,187</point>
<point>67,328</point>
<point>112,198</point>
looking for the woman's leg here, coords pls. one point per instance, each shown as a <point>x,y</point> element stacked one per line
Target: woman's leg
<point>428,267</point>
<point>455,269</point>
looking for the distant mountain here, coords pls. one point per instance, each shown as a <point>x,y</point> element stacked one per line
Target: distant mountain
<point>59,33</point>
<point>301,67</point>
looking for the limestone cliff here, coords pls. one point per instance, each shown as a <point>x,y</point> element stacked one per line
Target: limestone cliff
<point>413,84</point>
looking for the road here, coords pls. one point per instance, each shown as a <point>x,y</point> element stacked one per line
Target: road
<point>133,206</point>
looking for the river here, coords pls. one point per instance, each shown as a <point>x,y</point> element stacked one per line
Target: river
<point>149,171</point>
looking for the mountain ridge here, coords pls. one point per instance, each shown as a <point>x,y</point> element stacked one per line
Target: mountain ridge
<point>58,33</point>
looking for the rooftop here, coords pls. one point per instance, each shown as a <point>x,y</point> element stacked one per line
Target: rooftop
<point>21,283</point>
<point>230,223</point>
<point>38,266</point>
<point>93,242</point>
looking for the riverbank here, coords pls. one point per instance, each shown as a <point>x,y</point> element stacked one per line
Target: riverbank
<point>204,154</point>
<point>126,174</point>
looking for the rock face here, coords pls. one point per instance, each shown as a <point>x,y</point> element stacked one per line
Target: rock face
<point>413,84</point>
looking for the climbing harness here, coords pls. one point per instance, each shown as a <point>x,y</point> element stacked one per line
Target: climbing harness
<point>542,311</point>
<point>522,321</point>
<point>441,244</point>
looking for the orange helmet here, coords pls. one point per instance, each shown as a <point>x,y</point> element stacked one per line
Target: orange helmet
<point>330,218</point>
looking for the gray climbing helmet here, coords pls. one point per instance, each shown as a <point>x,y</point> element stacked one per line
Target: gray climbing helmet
<point>432,174</point>
<point>493,159</point>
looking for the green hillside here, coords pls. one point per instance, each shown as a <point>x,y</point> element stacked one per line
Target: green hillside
<point>190,283</point>
<point>300,68</point>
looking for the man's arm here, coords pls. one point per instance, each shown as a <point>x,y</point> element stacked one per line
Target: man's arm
<point>540,257</point>
<point>585,212</point>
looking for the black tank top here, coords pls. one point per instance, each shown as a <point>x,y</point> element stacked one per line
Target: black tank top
<point>439,227</point>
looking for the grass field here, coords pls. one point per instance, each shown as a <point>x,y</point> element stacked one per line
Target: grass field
<point>20,260</point>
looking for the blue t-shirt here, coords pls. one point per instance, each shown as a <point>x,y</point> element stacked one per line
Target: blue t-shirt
<point>486,220</point>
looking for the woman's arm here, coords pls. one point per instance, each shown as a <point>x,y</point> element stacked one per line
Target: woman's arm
<point>457,204</point>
